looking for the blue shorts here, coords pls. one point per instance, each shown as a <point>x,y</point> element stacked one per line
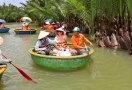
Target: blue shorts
<point>81,51</point>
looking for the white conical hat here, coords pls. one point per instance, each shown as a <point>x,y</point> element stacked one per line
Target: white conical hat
<point>43,34</point>
<point>1,40</point>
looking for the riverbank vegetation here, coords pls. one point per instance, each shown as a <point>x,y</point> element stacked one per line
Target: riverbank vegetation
<point>108,20</point>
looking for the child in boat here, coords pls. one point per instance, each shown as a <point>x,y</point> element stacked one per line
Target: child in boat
<point>77,40</point>
<point>2,60</point>
<point>43,44</point>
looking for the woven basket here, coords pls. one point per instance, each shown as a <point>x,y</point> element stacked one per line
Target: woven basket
<point>60,62</point>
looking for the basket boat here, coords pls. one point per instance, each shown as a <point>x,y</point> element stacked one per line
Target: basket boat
<point>60,62</point>
<point>2,69</point>
<point>4,30</point>
<point>20,31</point>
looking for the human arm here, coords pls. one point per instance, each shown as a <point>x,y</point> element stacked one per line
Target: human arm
<point>87,41</point>
<point>65,36</point>
<point>52,42</point>
<point>55,39</point>
<point>4,61</point>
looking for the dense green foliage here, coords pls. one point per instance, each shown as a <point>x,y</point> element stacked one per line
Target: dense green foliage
<point>10,12</point>
<point>70,11</point>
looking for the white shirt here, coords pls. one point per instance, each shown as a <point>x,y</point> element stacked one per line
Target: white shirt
<point>2,60</point>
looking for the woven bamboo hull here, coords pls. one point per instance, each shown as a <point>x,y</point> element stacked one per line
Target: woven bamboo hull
<point>4,30</point>
<point>2,71</point>
<point>20,31</point>
<point>60,62</point>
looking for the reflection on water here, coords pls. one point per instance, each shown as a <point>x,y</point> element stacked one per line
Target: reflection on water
<point>111,70</point>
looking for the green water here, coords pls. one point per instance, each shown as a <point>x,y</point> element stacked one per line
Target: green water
<point>109,71</point>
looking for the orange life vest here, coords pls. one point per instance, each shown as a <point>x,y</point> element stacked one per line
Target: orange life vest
<point>60,38</point>
<point>48,27</point>
<point>62,42</point>
<point>25,27</point>
<point>2,26</point>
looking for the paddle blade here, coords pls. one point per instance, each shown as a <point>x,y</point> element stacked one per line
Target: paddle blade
<point>24,74</point>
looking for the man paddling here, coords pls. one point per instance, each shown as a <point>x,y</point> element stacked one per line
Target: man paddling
<point>2,60</point>
<point>77,41</point>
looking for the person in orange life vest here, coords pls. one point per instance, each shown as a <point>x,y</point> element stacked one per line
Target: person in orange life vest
<point>55,25</point>
<point>48,26</point>
<point>60,38</point>
<point>77,39</point>
<point>60,35</point>
<point>2,25</point>
<point>25,26</point>
<point>23,23</point>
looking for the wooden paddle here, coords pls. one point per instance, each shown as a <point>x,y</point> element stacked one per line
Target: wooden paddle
<point>21,71</point>
<point>88,50</point>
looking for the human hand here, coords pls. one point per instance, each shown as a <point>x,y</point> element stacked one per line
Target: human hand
<point>45,48</point>
<point>10,60</point>
<point>57,41</point>
<point>85,47</point>
<point>91,44</point>
<point>42,46</point>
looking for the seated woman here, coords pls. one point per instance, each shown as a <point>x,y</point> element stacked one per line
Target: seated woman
<point>61,48</point>
<point>25,26</point>
<point>60,38</point>
<point>49,28</point>
<point>55,25</point>
<point>43,44</point>
<point>60,35</point>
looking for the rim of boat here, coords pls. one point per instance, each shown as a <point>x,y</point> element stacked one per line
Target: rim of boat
<point>5,28</point>
<point>19,29</point>
<point>60,57</point>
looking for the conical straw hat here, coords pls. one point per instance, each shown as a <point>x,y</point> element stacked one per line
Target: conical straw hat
<point>1,40</point>
<point>43,34</point>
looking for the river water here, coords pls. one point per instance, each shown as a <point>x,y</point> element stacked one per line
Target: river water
<point>109,71</point>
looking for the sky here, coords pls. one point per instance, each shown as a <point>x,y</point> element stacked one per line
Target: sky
<point>14,2</point>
